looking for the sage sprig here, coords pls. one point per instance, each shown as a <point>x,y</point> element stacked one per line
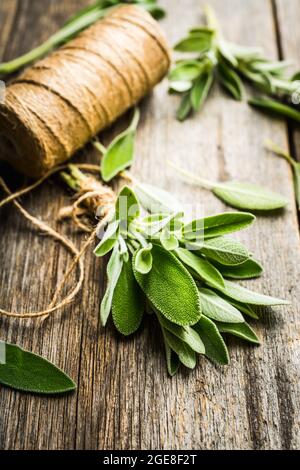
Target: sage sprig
<point>218,60</point>
<point>27,372</point>
<point>245,196</point>
<point>120,153</point>
<point>80,21</point>
<point>183,280</point>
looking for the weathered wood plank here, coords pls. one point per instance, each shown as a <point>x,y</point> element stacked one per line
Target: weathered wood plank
<point>125,399</point>
<point>253,403</point>
<point>289,37</point>
<point>31,266</point>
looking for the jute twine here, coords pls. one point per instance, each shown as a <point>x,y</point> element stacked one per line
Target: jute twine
<point>60,103</point>
<point>101,195</point>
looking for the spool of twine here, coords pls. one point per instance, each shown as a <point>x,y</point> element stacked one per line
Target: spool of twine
<point>55,107</point>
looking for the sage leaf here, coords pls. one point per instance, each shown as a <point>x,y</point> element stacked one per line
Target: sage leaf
<point>120,152</point>
<point>185,354</point>
<point>109,239</point>
<point>171,358</point>
<point>218,225</point>
<point>198,41</point>
<point>168,240</point>
<point>180,86</point>
<point>170,288</point>
<point>218,309</point>
<point>127,205</point>
<point>248,270</point>
<point>248,196</point>
<point>250,310</point>
<point>230,81</point>
<point>241,330</point>
<point>185,71</point>
<point>156,200</point>
<point>246,296</point>
<point>225,251</point>
<point>205,270</point>
<point>275,107</point>
<point>143,260</point>
<point>184,108</point>
<point>215,348</point>
<point>29,372</point>
<point>114,268</point>
<point>186,334</point>
<point>200,90</point>
<point>128,302</point>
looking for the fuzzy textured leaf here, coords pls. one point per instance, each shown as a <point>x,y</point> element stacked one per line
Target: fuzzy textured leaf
<point>170,288</point>
<point>128,302</point>
<point>241,294</point>
<point>241,330</point>
<point>249,196</point>
<point>186,334</point>
<point>225,251</point>
<point>218,225</point>
<point>248,270</point>
<point>114,269</point>
<point>218,309</point>
<point>215,348</point>
<point>29,372</point>
<point>205,270</point>
<point>186,355</point>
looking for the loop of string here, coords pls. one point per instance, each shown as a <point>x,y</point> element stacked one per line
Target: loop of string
<point>68,244</point>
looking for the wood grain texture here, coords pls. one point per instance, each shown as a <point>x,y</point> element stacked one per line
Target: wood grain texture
<point>125,400</point>
<point>289,39</point>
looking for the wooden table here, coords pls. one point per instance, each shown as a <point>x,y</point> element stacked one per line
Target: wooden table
<point>125,399</point>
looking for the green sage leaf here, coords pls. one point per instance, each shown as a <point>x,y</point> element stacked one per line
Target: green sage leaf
<point>248,196</point>
<point>168,240</point>
<point>200,90</point>
<point>109,239</point>
<point>205,270</point>
<point>185,71</point>
<point>218,309</point>
<point>120,152</point>
<point>29,372</point>
<point>230,81</point>
<point>275,107</point>
<point>248,270</point>
<point>128,302</point>
<point>215,348</point>
<point>184,108</point>
<point>186,355</point>
<point>198,41</point>
<point>114,268</point>
<point>241,330</point>
<point>218,225</point>
<point>171,358</point>
<point>225,251</point>
<point>170,288</point>
<point>127,205</point>
<point>241,294</point>
<point>180,86</point>
<point>143,260</point>
<point>186,334</point>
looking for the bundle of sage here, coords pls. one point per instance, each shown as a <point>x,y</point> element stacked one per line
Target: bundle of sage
<point>182,272</point>
<point>219,59</point>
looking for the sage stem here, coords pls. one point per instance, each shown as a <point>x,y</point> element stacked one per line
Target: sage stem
<point>280,152</point>
<point>206,184</point>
